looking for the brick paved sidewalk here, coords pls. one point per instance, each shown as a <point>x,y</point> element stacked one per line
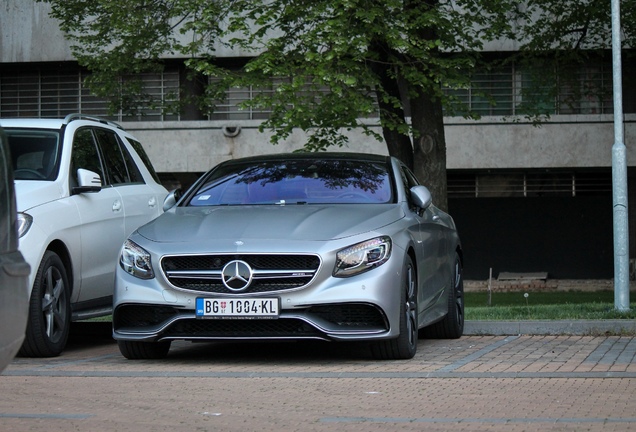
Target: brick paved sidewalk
<point>475,383</point>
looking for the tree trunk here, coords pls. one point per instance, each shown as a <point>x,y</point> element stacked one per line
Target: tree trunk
<point>429,146</point>
<point>427,118</point>
<point>398,144</point>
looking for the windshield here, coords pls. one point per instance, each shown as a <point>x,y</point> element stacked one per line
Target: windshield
<point>310,181</point>
<point>34,153</point>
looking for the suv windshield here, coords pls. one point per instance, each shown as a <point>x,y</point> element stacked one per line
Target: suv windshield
<point>300,181</point>
<point>34,153</point>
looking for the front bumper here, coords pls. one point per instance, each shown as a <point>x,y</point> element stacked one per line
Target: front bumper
<point>362,307</point>
<point>326,322</point>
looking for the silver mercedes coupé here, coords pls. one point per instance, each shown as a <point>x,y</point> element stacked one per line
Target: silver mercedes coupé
<point>325,246</point>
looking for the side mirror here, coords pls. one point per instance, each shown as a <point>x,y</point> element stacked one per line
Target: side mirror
<point>171,199</point>
<point>421,196</point>
<point>88,181</point>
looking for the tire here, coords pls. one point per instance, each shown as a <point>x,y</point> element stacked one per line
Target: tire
<point>134,350</point>
<point>49,310</point>
<point>452,325</point>
<point>405,345</point>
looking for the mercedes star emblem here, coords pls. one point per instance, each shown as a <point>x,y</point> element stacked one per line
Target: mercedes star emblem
<point>237,275</point>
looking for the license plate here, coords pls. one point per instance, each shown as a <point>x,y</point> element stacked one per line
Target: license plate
<point>237,308</point>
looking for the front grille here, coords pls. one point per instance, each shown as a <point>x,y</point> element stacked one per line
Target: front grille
<point>277,328</point>
<point>270,273</point>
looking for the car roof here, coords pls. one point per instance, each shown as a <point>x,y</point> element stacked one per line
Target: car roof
<point>32,123</point>
<point>53,123</point>
<point>369,157</point>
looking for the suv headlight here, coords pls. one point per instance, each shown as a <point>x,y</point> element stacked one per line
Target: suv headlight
<point>136,261</point>
<point>362,257</point>
<point>24,222</point>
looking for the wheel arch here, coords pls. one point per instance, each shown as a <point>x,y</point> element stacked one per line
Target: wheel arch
<point>460,253</point>
<point>62,251</point>
<point>411,253</point>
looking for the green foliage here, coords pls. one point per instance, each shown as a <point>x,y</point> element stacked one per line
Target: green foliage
<point>558,37</point>
<point>568,27</point>
<point>323,65</point>
<point>317,60</point>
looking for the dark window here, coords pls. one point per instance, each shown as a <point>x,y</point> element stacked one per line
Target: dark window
<point>531,183</point>
<point>409,180</point>
<point>299,181</point>
<point>136,145</point>
<point>35,153</point>
<point>85,155</point>
<point>114,159</point>
<point>131,166</point>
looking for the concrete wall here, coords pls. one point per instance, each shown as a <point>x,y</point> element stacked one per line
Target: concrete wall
<point>28,34</point>
<point>563,141</point>
<point>485,144</point>
<point>196,146</point>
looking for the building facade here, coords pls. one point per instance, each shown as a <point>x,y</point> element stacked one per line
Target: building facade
<point>526,197</point>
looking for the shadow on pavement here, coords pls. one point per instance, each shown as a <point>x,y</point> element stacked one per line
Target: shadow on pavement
<point>90,333</point>
<point>267,352</point>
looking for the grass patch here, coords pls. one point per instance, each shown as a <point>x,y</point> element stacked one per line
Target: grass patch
<point>554,305</point>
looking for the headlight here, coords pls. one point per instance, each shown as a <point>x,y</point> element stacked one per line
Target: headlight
<point>24,222</point>
<point>135,260</point>
<point>362,257</point>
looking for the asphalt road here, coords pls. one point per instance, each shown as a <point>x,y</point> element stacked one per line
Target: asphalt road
<point>476,383</point>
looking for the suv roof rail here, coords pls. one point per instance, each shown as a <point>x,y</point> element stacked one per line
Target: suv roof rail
<point>79,116</point>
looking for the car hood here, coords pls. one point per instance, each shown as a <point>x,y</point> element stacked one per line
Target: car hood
<point>290,222</point>
<point>31,194</point>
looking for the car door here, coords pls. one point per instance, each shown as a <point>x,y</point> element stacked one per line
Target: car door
<point>430,248</point>
<point>141,203</point>
<point>102,221</point>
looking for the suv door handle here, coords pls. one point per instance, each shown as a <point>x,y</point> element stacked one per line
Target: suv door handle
<point>117,206</point>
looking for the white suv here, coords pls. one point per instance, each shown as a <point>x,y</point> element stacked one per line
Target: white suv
<point>83,185</point>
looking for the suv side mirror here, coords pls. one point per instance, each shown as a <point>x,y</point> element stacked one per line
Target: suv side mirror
<point>88,181</point>
<point>172,199</point>
<point>421,196</point>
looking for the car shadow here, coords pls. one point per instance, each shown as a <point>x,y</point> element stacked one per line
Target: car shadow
<point>268,352</point>
<point>90,334</point>
<point>83,333</point>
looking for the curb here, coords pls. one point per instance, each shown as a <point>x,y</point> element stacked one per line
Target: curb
<point>574,327</point>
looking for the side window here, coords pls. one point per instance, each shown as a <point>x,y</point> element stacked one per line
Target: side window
<point>409,180</point>
<point>405,182</point>
<point>85,155</point>
<point>136,145</point>
<point>131,166</point>
<point>413,181</point>
<point>114,159</point>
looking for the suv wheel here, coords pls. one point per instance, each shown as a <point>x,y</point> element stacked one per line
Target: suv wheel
<point>49,310</point>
